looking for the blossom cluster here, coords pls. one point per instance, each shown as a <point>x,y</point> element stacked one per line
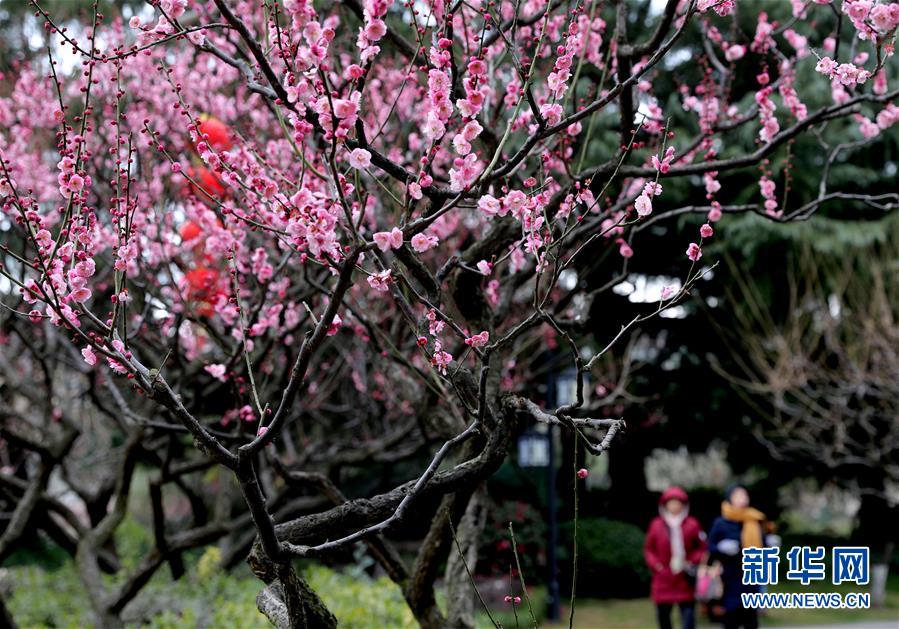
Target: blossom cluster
<point>872,19</point>
<point>232,187</point>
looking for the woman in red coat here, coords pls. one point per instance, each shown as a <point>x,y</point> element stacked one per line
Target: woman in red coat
<point>675,545</point>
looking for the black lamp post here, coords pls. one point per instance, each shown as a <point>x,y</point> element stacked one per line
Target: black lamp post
<point>552,557</point>
<point>562,391</point>
<point>536,448</point>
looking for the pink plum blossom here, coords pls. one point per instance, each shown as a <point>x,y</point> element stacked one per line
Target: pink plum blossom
<point>360,159</point>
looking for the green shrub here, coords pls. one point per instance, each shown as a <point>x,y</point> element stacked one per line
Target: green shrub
<point>495,552</point>
<point>610,559</point>
<point>360,602</point>
<point>47,598</point>
<point>205,597</point>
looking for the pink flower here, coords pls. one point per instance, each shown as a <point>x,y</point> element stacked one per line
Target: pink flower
<point>478,340</point>
<point>552,113</point>
<point>380,281</point>
<point>89,356</point>
<point>882,18</point>
<point>667,291</point>
<point>44,238</point>
<point>116,366</point>
<point>389,240</point>
<point>858,10</point>
<point>477,67</point>
<point>880,81</point>
<point>769,129</point>
<point>471,130</point>
<point>868,128</point>
<point>462,146</point>
<point>360,159</point>
<point>490,206</point>
<point>582,473</point>
<point>464,171</point>
<point>345,109</point>
<point>35,316</point>
<point>435,325</point>
<point>334,328</point>
<point>216,370</point>
<point>663,165</point>
<point>485,267</point>
<point>625,250</point>
<point>694,252</point>
<point>735,52</point>
<point>85,268</point>
<point>492,292</point>
<point>706,231</point>
<point>721,7</point>
<point>422,243</point>
<point>415,190</point>
<point>826,65</point>
<point>888,116</point>
<point>76,182</point>
<point>441,359</point>
<point>375,30</point>
<point>80,295</point>
<point>643,205</point>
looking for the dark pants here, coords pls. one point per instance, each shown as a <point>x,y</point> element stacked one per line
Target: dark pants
<point>687,615</point>
<point>739,617</point>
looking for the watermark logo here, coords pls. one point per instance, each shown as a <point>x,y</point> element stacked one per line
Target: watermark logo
<point>849,564</point>
<point>806,600</point>
<point>806,565</point>
<point>760,565</point>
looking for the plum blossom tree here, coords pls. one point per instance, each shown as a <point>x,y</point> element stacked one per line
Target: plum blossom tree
<point>278,238</point>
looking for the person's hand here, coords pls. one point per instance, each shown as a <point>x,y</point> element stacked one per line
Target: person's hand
<point>773,540</point>
<point>729,547</point>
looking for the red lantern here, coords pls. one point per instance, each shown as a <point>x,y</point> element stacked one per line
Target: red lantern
<point>202,289</point>
<point>218,136</point>
<point>207,183</point>
<point>189,231</point>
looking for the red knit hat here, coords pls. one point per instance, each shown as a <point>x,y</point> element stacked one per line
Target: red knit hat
<point>673,493</point>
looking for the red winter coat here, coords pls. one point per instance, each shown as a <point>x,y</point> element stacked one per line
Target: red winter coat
<point>668,587</point>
